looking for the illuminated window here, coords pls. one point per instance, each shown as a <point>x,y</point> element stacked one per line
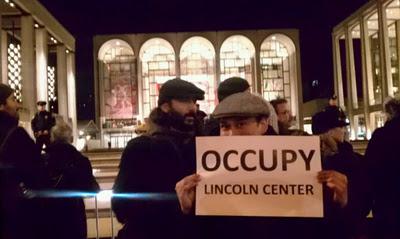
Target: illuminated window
<point>51,83</point>
<point>157,60</point>
<point>14,69</point>
<point>277,60</point>
<point>197,59</point>
<point>392,17</point>
<point>237,58</point>
<point>118,76</point>
<point>376,84</point>
<point>275,70</point>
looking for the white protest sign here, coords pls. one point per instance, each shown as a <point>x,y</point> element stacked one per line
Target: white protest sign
<point>259,176</point>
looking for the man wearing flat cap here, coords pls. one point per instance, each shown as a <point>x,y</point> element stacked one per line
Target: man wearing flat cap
<point>154,162</point>
<point>246,114</point>
<point>19,170</point>
<point>229,87</point>
<point>41,125</point>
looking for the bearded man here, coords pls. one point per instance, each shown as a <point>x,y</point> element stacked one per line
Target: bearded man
<point>153,163</point>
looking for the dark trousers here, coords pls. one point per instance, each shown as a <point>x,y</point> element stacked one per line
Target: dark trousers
<point>43,140</point>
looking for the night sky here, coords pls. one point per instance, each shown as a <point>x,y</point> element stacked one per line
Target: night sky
<point>315,20</point>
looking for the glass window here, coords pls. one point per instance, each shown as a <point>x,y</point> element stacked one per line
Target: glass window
<point>377,120</point>
<point>118,74</point>
<point>392,16</point>
<point>197,59</point>
<point>360,128</point>
<point>375,86</point>
<point>14,67</point>
<point>356,39</point>
<point>237,58</point>
<point>157,59</point>
<point>275,69</point>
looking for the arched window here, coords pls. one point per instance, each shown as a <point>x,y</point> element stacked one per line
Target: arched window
<point>118,77</point>
<point>197,59</point>
<point>278,76</point>
<point>157,58</point>
<point>237,58</point>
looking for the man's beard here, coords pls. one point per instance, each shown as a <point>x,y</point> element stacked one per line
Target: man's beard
<point>186,123</point>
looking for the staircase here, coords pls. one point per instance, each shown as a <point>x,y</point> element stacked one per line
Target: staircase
<point>105,165</point>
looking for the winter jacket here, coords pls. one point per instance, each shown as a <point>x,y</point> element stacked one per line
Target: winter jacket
<point>20,170</point>
<point>153,163</point>
<point>68,171</point>
<point>383,167</point>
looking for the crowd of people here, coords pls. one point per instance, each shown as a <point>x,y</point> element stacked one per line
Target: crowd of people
<point>163,161</point>
<point>36,178</point>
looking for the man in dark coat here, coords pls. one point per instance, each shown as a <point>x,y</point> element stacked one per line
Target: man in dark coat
<point>247,114</point>
<point>41,125</point>
<point>19,171</point>
<point>71,174</point>
<point>153,163</point>
<point>337,154</point>
<point>383,160</point>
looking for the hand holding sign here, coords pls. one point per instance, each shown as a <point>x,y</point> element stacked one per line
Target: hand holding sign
<point>186,192</point>
<point>261,176</point>
<point>336,182</point>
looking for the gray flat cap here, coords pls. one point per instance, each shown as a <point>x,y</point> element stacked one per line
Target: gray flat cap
<point>243,104</point>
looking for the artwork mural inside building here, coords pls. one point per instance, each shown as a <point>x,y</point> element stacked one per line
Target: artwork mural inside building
<point>121,96</point>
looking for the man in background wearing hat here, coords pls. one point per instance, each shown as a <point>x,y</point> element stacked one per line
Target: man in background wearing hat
<point>19,170</point>
<point>41,125</point>
<point>247,114</point>
<point>229,87</point>
<point>153,163</point>
<point>383,167</point>
<point>340,161</point>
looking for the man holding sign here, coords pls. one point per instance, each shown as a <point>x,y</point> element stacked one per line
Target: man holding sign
<point>257,176</point>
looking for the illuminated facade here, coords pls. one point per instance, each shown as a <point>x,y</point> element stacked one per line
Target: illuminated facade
<point>131,68</point>
<point>367,63</point>
<point>37,59</point>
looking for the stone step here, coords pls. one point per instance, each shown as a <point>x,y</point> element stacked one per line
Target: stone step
<point>105,162</point>
<point>105,228</point>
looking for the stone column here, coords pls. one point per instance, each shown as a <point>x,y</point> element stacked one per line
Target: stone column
<point>387,80</point>
<point>258,79</point>
<point>366,75</point>
<point>351,68</point>
<point>3,56</point>
<point>72,92</point>
<point>177,65</point>
<point>62,82</point>
<point>350,77</point>
<point>41,64</point>
<point>28,68</point>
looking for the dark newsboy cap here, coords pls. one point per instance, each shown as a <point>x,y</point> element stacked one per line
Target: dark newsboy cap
<point>231,86</point>
<point>41,103</point>
<point>243,104</point>
<point>330,118</point>
<point>179,89</point>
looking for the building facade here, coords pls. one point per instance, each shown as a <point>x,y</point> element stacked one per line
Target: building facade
<point>130,69</point>
<point>37,56</point>
<point>366,63</point>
